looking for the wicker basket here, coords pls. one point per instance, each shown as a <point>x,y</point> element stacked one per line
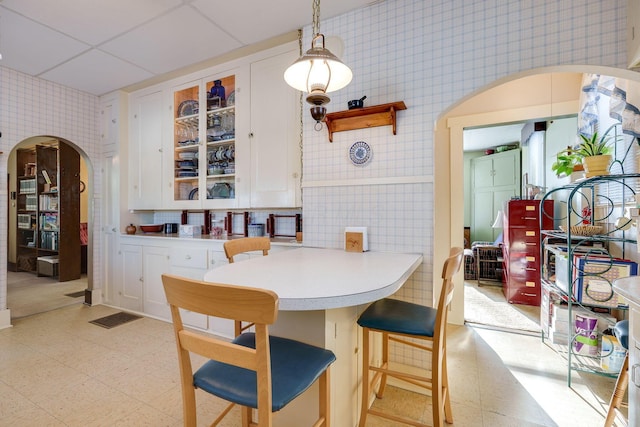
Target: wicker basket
<point>584,230</point>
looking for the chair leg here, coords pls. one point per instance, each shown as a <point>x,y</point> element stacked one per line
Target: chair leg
<point>448,414</point>
<point>618,393</point>
<point>385,364</point>
<point>324,404</point>
<point>364,407</point>
<point>247,417</point>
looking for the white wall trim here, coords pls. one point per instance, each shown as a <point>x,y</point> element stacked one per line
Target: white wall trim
<point>5,318</point>
<point>369,181</point>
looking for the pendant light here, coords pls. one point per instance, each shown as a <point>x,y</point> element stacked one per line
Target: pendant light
<point>318,72</point>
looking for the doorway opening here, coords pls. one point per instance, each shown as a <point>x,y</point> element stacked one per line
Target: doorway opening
<point>48,226</point>
<point>542,94</point>
<point>503,162</point>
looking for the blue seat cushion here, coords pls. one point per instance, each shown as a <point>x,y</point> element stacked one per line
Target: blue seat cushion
<point>621,331</point>
<point>294,367</point>
<point>393,315</point>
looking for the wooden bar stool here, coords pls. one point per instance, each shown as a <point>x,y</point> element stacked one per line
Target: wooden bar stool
<point>240,246</point>
<point>255,370</point>
<point>398,321</point>
<point>621,332</point>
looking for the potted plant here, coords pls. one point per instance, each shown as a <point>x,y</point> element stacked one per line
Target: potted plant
<point>595,153</point>
<point>567,162</point>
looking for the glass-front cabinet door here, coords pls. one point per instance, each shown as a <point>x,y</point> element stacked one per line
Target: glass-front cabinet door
<point>204,149</point>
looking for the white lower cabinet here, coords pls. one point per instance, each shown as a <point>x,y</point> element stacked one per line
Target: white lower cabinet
<point>192,263</point>
<point>142,261</point>
<point>221,327</point>
<point>129,282</point>
<point>155,261</point>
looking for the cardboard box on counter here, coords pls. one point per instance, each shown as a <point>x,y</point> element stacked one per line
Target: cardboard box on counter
<point>187,230</point>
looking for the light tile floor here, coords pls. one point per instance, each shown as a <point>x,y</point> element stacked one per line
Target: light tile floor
<point>56,369</point>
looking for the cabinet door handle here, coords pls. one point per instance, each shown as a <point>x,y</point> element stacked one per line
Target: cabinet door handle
<point>141,279</point>
<point>187,257</point>
<point>634,374</point>
<point>114,229</point>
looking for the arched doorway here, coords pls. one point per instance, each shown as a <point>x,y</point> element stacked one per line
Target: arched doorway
<point>449,188</point>
<point>35,232</point>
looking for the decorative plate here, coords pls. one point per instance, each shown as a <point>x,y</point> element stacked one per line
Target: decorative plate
<point>231,99</point>
<point>193,194</point>
<point>188,108</point>
<point>360,153</point>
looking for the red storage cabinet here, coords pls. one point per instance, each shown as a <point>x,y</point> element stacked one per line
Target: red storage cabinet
<point>522,249</point>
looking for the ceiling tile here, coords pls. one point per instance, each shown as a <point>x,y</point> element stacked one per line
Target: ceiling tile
<point>97,73</point>
<point>39,47</point>
<point>267,18</point>
<point>177,39</point>
<point>91,21</point>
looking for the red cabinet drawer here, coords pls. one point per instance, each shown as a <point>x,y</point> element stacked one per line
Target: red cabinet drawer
<point>526,296</point>
<point>526,235</point>
<point>526,213</point>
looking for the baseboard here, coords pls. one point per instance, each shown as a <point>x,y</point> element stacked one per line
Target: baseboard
<point>5,318</point>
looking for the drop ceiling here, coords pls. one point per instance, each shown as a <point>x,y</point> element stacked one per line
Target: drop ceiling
<point>490,137</point>
<point>101,46</point>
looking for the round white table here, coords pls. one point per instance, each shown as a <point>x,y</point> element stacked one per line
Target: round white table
<point>321,293</point>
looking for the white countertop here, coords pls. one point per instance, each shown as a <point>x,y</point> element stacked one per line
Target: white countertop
<point>629,288</point>
<point>319,279</point>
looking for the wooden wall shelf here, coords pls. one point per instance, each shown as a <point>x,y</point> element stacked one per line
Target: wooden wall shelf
<point>360,118</point>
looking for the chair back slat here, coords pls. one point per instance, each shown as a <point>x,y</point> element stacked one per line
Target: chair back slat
<point>221,300</point>
<point>246,244</point>
<point>216,349</point>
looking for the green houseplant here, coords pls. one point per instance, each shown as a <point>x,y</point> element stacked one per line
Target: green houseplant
<point>595,153</point>
<point>567,162</point>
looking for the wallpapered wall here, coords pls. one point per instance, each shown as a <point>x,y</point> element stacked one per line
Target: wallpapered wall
<point>430,54</point>
<point>33,107</point>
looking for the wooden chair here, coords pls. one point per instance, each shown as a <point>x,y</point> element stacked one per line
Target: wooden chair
<point>255,370</point>
<point>399,320</point>
<point>239,246</point>
<point>246,244</point>
<point>621,332</point>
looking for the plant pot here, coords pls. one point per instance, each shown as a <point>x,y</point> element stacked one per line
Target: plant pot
<point>596,165</point>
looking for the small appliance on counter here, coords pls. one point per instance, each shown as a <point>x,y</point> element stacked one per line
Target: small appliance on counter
<point>171,227</point>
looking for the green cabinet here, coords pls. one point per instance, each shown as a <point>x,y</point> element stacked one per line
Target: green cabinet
<point>495,179</point>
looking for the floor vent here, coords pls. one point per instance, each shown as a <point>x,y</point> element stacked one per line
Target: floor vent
<point>114,320</point>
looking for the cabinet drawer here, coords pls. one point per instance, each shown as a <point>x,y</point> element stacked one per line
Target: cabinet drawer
<point>526,263</point>
<point>527,296</point>
<point>522,238</point>
<point>526,213</point>
<point>188,257</point>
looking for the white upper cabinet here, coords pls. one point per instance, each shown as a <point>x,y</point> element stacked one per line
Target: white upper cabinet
<point>275,134</point>
<point>205,153</point>
<point>145,151</point>
<point>226,137</point>
<point>633,33</point>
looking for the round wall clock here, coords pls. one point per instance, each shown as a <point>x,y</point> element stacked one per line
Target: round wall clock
<point>360,153</point>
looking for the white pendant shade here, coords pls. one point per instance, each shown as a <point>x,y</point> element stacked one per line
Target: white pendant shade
<point>317,69</point>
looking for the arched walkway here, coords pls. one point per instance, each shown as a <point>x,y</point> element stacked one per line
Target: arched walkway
<point>86,215</point>
<point>449,185</point>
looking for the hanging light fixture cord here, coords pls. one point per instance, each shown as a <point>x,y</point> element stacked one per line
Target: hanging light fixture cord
<point>316,17</point>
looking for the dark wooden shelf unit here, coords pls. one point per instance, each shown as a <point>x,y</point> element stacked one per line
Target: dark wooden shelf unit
<point>366,117</point>
<point>48,222</point>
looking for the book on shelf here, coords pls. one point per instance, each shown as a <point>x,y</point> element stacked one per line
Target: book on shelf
<point>49,221</point>
<point>27,186</point>
<point>48,202</point>
<point>595,277</point>
<point>49,240</point>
